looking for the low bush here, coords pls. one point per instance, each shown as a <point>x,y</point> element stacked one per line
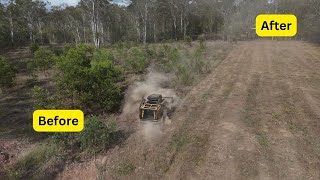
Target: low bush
<point>95,137</point>
<point>68,46</point>
<point>136,60</point>
<point>184,75</point>
<point>202,42</point>
<point>88,79</point>
<point>41,98</point>
<point>34,47</point>
<point>43,61</point>
<point>198,63</point>
<point>151,52</point>
<point>7,74</point>
<point>170,58</point>
<point>125,168</point>
<point>188,40</point>
<point>41,163</point>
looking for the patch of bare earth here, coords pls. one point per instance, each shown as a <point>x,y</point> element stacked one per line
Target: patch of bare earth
<point>16,132</point>
<point>257,116</point>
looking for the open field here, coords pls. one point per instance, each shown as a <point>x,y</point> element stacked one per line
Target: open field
<point>255,117</point>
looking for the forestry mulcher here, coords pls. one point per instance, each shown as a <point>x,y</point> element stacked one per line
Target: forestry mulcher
<point>153,106</point>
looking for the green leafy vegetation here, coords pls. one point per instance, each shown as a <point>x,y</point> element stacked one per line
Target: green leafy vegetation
<point>34,47</point>
<point>199,64</point>
<point>88,79</point>
<point>46,160</point>
<point>41,98</point>
<point>184,75</point>
<point>41,162</point>
<point>202,42</point>
<point>7,74</point>
<point>43,61</point>
<point>188,40</point>
<point>180,140</point>
<point>125,168</point>
<point>96,136</point>
<point>228,19</point>
<point>136,59</point>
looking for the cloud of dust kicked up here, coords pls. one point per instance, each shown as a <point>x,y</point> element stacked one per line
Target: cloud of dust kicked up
<point>154,83</point>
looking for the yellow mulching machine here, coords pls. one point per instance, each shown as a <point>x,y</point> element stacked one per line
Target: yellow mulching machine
<point>152,106</point>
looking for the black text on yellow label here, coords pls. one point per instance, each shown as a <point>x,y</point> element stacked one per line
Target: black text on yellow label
<point>268,25</point>
<point>58,120</point>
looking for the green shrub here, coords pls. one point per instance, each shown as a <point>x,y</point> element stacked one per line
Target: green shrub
<point>123,44</point>
<point>68,46</point>
<point>126,168</point>
<point>166,47</point>
<point>170,59</point>
<point>188,40</point>
<point>57,51</point>
<point>161,52</point>
<point>41,98</point>
<point>173,55</point>
<point>151,52</point>
<point>102,55</point>
<point>43,60</point>
<point>184,75</point>
<point>202,42</point>
<point>198,63</point>
<point>95,137</point>
<point>88,79</point>
<point>34,47</point>
<point>136,60</point>
<point>7,74</point>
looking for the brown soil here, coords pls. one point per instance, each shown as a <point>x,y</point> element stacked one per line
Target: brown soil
<point>257,116</point>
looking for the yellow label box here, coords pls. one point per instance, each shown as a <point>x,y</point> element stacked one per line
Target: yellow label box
<point>58,120</point>
<point>284,25</point>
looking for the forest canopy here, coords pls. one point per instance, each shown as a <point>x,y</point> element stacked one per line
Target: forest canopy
<point>102,22</point>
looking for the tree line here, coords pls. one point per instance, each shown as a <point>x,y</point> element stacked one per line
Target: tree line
<point>102,22</point>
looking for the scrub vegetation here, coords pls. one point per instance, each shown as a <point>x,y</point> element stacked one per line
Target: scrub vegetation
<point>94,80</point>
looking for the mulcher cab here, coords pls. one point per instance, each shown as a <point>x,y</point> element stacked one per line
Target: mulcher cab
<point>153,106</point>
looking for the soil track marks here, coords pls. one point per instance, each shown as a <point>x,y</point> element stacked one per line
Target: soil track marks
<point>256,117</point>
<point>262,116</point>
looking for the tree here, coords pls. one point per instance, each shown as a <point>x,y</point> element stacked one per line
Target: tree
<point>100,22</point>
<point>88,79</point>
<point>10,15</point>
<point>94,10</point>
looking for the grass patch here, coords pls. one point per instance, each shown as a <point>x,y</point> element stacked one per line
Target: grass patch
<point>43,162</point>
<point>176,145</point>
<point>251,103</point>
<point>262,139</point>
<point>125,168</point>
<point>179,141</point>
<point>47,160</point>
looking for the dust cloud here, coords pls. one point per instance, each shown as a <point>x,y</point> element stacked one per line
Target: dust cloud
<point>154,83</point>
<point>151,131</point>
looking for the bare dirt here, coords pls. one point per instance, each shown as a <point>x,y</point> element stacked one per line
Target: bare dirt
<point>257,116</point>
<point>16,133</point>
